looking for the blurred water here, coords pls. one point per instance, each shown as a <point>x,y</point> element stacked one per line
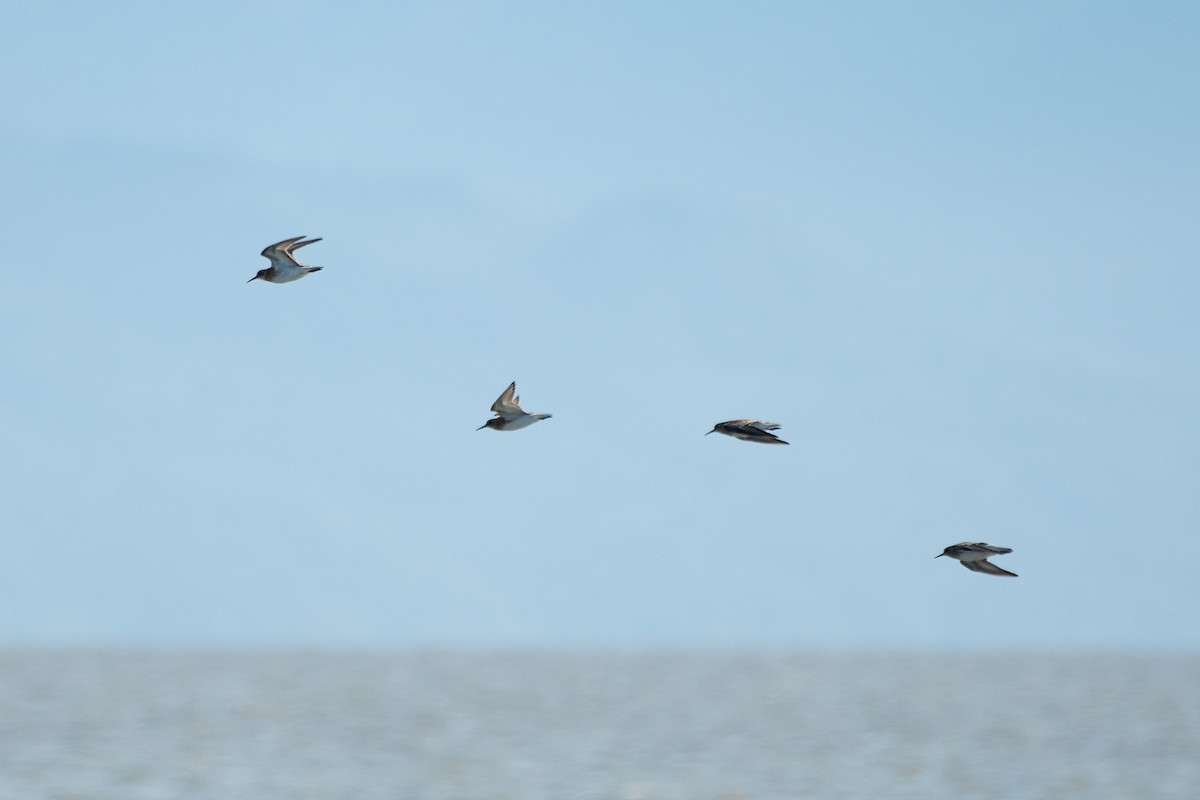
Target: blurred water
<point>645,726</point>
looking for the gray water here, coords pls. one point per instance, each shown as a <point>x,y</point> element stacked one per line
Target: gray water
<point>649,726</point>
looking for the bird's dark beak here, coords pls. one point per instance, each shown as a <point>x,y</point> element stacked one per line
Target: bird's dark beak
<point>481,427</point>
<point>714,430</point>
<point>253,279</point>
<point>939,555</point>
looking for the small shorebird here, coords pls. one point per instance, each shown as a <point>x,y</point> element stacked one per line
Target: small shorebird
<point>284,266</point>
<point>509,416</point>
<point>974,556</point>
<point>749,430</point>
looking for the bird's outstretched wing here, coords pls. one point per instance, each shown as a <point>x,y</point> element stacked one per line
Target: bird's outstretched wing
<point>987,568</point>
<point>507,405</point>
<point>280,253</point>
<point>754,430</point>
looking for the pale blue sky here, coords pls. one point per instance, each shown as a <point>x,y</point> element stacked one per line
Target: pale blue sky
<point>950,247</point>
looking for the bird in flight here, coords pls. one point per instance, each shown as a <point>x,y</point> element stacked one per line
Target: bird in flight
<point>974,556</point>
<point>284,266</point>
<point>509,416</point>
<point>749,430</point>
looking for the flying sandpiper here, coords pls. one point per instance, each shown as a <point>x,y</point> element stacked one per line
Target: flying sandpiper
<point>749,430</point>
<point>509,416</point>
<point>974,556</point>
<point>284,266</point>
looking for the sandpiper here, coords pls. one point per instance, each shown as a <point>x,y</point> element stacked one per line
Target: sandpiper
<point>284,266</point>
<point>749,430</point>
<point>974,556</point>
<point>509,416</point>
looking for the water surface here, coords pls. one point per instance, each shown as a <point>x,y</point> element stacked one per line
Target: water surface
<point>633,726</point>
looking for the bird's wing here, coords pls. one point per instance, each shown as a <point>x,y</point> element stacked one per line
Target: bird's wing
<point>288,250</point>
<point>987,567</point>
<point>296,245</point>
<point>983,547</point>
<point>277,253</point>
<point>753,433</point>
<point>506,397</point>
<point>280,253</point>
<point>762,425</point>
<point>507,405</point>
